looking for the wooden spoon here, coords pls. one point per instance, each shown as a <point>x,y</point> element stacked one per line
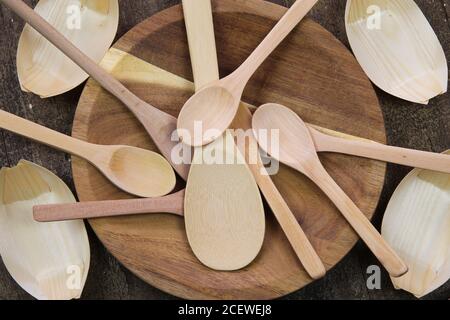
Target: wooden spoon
<point>158,124</point>
<point>397,48</point>
<point>173,203</point>
<point>215,106</point>
<point>296,149</point>
<point>137,171</point>
<point>224,213</point>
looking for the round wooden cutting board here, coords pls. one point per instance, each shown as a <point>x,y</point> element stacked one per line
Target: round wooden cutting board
<point>311,72</point>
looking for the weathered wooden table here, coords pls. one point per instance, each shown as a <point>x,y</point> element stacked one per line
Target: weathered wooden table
<point>407,124</point>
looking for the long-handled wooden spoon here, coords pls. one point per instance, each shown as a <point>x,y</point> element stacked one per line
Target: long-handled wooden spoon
<point>224,213</point>
<point>296,149</point>
<point>159,125</point>
<point>208,113</point>
<point>173,203</point>
<point>331,141</point>
<point>140,172</point>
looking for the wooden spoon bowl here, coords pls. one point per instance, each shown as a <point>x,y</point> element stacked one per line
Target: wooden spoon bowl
<point>202,103</point>
<point>143,172</point>
<point>311,72</point>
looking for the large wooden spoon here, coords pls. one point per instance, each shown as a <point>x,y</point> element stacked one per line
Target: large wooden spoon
<point>159,125</point>
<point>296,149</point>
<point>137,171</point>
<point>210,111</point>
<point>224,213</point>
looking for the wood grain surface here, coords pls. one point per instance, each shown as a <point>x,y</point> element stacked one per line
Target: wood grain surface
<point>407,125</point>
<point>156,247</point>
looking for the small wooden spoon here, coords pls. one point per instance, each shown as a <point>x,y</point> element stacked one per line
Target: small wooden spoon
<point>297,150</point>
<point>215,106</point>
<point>102,209</point>
<point>137,171</point>
<point>224,213</point>
<point>158,124</point>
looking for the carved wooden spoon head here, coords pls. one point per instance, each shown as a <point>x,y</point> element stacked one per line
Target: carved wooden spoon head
<point>216,106</point>
<point>282,134</point>
<point>137,171</point>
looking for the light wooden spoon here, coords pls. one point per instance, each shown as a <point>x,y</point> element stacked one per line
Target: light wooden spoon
<point>397,48</point>
<point>215,106</point>
<point>137,171</point>
<point>224,213</point>
<point>173,204</point>
<point>296,149</point>
<point>159,125</point>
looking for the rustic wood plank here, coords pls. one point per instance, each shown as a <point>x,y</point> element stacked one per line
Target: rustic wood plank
<point>409,125</point>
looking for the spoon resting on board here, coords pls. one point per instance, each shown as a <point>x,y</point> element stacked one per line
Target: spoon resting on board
<point>210,111</point>
<point>224,213</point>
<point>137,171</point>
<point>158,124</point>
<point>173,203</point>
<point>296,149</point>
<point>200,31</point>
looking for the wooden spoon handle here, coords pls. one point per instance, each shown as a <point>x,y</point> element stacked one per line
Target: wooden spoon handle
<point>286,24</point>
<point>373,150</point>
<point>363,227</point>
<point>44,135</point>
<point>291,227</point>
<point>101,209</point>
<point>202,44</point>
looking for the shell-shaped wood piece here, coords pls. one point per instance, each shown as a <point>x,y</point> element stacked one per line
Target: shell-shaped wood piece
<point>417,225</point>
<point>89,24</point>
<point>48,260</point>
<point>397,48</point>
